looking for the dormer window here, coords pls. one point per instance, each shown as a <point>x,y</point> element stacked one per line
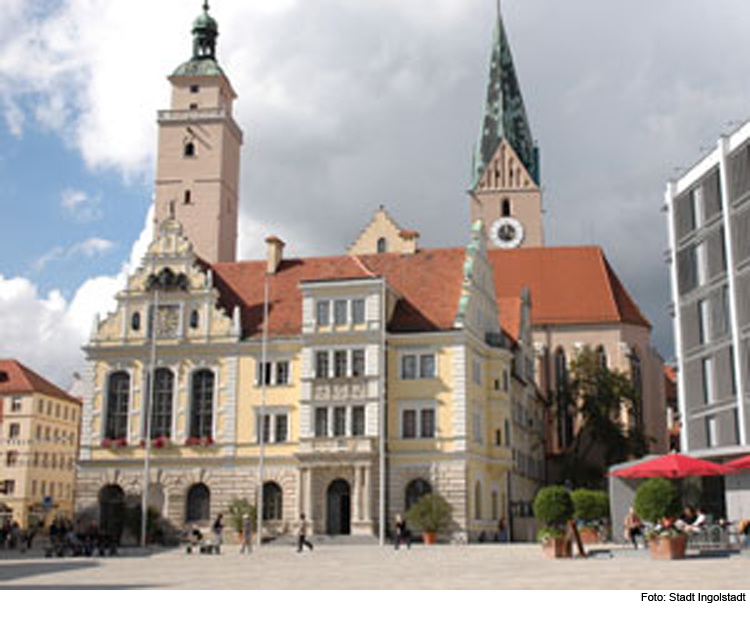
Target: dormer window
<point>382,245</point>
<point>4,377</point>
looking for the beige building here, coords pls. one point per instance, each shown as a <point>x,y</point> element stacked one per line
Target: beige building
<point>39,435</point>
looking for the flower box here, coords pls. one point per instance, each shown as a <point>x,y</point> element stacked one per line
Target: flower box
<point>114,444</point>
<point>199,442</point>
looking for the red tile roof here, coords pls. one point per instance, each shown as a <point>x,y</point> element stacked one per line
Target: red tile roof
<point>17,379</point>
<point>568,286</point>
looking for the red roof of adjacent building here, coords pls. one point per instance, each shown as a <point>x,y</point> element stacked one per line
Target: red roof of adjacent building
<point>17,379</point>
<point>572,285</point>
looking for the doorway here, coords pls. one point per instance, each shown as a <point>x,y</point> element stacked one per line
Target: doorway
<point>338,515</point>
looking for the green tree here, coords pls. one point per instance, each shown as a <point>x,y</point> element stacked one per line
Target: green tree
<point>238,509</point>
<point>597,396</point>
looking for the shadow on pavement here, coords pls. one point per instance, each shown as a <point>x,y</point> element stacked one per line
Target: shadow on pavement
<point>19,570</point>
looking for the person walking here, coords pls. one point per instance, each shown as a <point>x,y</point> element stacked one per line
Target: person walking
<point>403,534</point>
<point>247,528</point>
<point>218,529</point>
<point>632,527</point>
<point>302,541</point>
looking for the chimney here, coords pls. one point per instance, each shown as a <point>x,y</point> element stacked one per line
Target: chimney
<point>275,254</point>
<point>410,241</point>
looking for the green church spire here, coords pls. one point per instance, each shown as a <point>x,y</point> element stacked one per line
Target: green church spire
<point>203,61</point>
<point>505,113</point>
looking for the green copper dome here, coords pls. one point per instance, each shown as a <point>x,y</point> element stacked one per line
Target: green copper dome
<point>203,61</point>
<point>205,22</point>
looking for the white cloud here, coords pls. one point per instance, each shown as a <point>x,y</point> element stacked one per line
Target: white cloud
<point>89,248</point>
<point>47,331</point>
<point>82,207</point>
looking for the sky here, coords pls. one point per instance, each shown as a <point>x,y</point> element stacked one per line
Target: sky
<point>345,106</point>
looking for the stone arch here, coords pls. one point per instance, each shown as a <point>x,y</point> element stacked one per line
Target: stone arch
<point>198,504</point>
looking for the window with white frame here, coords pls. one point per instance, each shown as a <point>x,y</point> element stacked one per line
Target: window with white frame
<point>707,375</point>
<point>340,363</point>
<point>321,422</point>
<point>339,422</point>
<point>15,404</point>
<point>704,330</point>
<point>358,363</point>
<point>711,431</point>
<point>418,422</point>
<point>359,421</point>
<point>321,365</point>
<point>272,373</point>
<point>323,312</point>
<point>416,366</point>
<point>358,311</point>
<point>340,312</point>
<point>274,426</point>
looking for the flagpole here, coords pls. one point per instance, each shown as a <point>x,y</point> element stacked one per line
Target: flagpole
<point>261,424</point>
<point>149,410</point>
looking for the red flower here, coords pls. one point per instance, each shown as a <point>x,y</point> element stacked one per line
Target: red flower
<point>121,443</point>
<point>106,443</point>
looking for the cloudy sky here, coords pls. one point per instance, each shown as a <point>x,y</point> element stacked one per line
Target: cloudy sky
<point>345,105</point>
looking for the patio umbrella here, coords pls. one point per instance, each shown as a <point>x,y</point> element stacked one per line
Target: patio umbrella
<point>674,466</point>
<point>740,464</point>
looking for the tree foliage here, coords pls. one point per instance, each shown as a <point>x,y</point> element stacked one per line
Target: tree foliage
<point>553,506</point>
<point>597,397</point>
<point>656,499</point>
<point>431,513</point>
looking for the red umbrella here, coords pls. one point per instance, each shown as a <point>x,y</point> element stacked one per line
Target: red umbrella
<point>674,466</point>
<point>740,464</point>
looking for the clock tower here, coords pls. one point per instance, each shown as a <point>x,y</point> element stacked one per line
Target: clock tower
<point>198,167</point>
<point>505,190</point>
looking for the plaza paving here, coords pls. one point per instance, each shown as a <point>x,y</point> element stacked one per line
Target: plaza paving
<point>371,567</point>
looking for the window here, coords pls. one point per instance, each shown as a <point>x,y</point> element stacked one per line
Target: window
<point>478,501</point>
<point>281,427</point>
<point>33,488</point>
<point>195,88</point>
<point>263,374</point>
<point>188,196</point>
<point>189,150</point>
<point>161,409</point>
<point>477,427</point>
<point>47,434</point>
<point>11,459</point>
<point>340,364</point>
<point>409,424</point>
<point>476,371</point>
<point>272,502</point>
<point>358,363</point>
<point>711,426</point>
<point>321,365</point>
<point>707,375</point>
<point>495,502</point>
<point>382,245</point>
<point>701,263</point>
<point>427,423</point>
<point>118,403</point>
<point>601,355</point>
<point>506,380</point>
<point>40,406</point>
<point>498,437</point>
<point>264,421</point>
<point>415,491</point>
<point>507,432</point>
<point>39,433</point>
<point>135,322</point>
<point>202,405</point>
<point>321,422</point>
<point>340,312</point>
<point>358,421</point>
<point>15,404</point>
<point>339,422</point>
<point>704,331</point>
<point>10,487</point>
<point>193,106</point>
<point>358,311</point>
<point>198,504</point>
<point>507,212</point>
<point>195,319</point>
<point>409,367</point>
<point>14,431</point>
<point>427,366</point>
<point>323,313</point>
<point>282,373</point>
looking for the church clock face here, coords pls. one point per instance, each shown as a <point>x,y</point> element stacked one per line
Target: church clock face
<point>507,233</point>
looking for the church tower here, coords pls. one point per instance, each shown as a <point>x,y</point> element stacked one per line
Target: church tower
<point>198,167</point>
<point>505,187</point>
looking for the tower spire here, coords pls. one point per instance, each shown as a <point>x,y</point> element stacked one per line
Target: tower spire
<point>504,113</point>
<point>205,33</point>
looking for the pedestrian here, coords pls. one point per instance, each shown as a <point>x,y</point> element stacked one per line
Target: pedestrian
<point>302,541</point>
<point>247,527</point>
<point>502,531</point>
<point>632,527</point>
<point>218,528</point>
<point>403,534</point>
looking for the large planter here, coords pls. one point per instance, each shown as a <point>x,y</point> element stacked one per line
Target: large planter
<point>429,538</point>
<point>590,536</point>
<point>557,548</point>
<point>668,547</point>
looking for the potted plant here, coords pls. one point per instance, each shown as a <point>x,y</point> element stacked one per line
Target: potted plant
<point>238,508</point>
<point>591,510</point>
<point>431,514</point>
<point>553,508</point>
<point>657,501</point>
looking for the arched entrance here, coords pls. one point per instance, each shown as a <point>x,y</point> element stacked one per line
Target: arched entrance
<point>339,508</point>
<point>112,511</point>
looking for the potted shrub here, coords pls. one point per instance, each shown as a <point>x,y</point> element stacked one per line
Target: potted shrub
<point>657,501</point>
<point>553,508</point>
<point>238,508</point>
<point>591,510</point>
<point>431,514</point>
